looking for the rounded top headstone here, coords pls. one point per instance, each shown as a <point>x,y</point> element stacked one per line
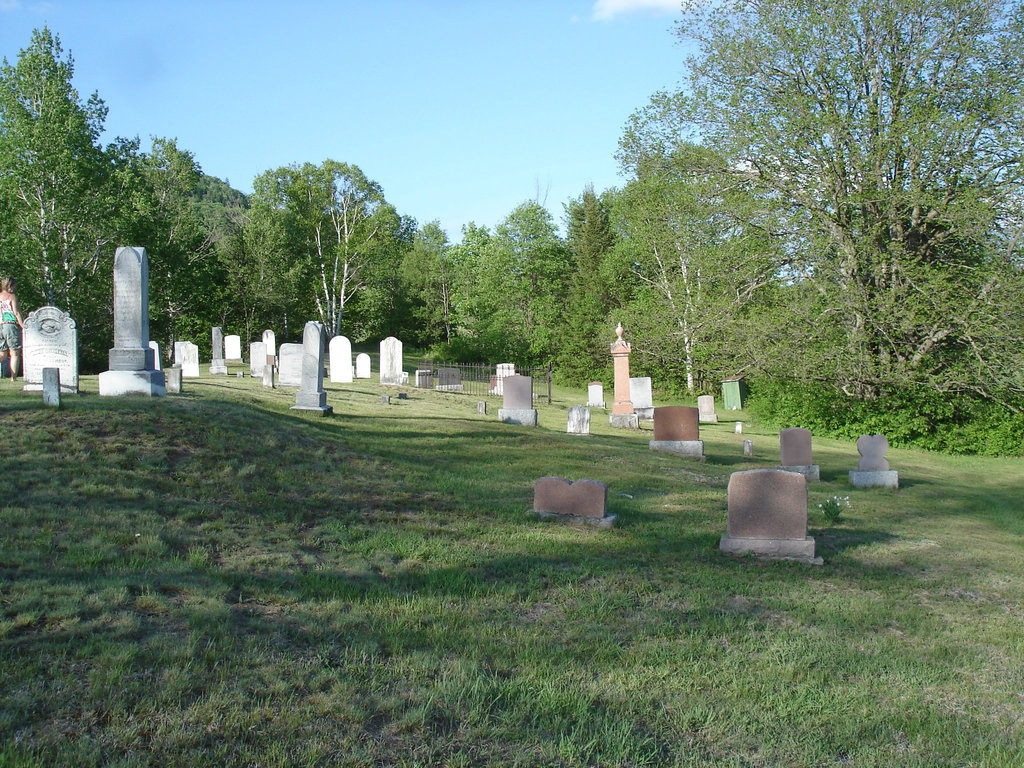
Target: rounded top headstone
<point>872,450</point>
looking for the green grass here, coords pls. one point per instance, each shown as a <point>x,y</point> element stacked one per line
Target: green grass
<point>212,579</point>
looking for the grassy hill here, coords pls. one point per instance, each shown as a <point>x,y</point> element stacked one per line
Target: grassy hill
<point>212,579</point>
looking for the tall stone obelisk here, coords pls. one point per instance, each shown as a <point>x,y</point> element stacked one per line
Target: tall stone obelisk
<point>622,414</point>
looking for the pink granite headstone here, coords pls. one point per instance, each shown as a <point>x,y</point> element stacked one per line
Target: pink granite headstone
<point>584,498</point>
<point>518,393</point>
<point>795,447</point>
<point>676,422</point>
<point>620,356</point>
<point>767,504</point>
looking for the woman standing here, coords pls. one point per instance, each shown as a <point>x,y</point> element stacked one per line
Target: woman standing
<point>11,325</point>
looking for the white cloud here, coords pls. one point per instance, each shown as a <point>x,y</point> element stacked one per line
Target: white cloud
<point>9,5</point>
<point>605,10</point>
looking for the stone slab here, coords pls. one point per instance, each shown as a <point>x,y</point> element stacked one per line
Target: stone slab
<point>767,504</point>
<point>799,550</point>
<point>257,359</point>
<point>795,447</point>
<point>363,367</point>
<point>51,387</point>
<point>289,372</point>
<point>50,340</point>
<point>526,417</point>
<point>676,422</point>
<point>172,380</point>
<point>624,420</point>
<point>691,449</point>
<point>584,498</point>
<point>889,478</point>
<point>706,409</point>
<point>233,348</point>
<point>579,420</point>
<point>119,383</point>
<point>872,450</point>
<point>391,361</point>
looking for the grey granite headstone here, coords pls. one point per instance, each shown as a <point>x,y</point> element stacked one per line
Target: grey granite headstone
<point>50,340</point>
<point>391,361</point>
<point>257,359</point>
<point>51,387</point>
<point>642,398</point>
<point>172,380</point>
<point>233,348</point>
<point>340,350</point>
<point>449,380</point>
<point>579,420</point>
<point>706,409</point>
<point>363,370</point>
<point>289,371</point>
<point>795,453</point>
<point>130,359</point>
<point>595,395</point>
<point>517,401</point>
<point>311,395</point>
<point>768,516</point>
<point>217,366</point>
<point>424,378</point>
<point>190,361</point>
<point>873,468</point>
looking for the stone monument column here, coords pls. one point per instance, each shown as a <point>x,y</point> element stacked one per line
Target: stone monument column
<point>311,395</point>
<point>622,414</point>
<point>217,365</point>
<point>132,370</point>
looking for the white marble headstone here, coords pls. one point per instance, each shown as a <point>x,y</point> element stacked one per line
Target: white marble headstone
<point>391,361</point>
<point>233,348</point>
<point>257,359</point>
<point>271,341</point>
<point>341,360</point>
<point>190,360</point>
<point>289,373</point>
<point>363,368</point>
<point>50,340</point>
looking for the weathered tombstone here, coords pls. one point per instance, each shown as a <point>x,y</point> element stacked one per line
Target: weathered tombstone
<point>233,348</point>
<point>768,516</point>
<point>501,372</point>
<point>50,340</point>
<point>51,387</point>
<point>795,453</point>
<point>363,370</point>
<point>748,447</point>
<point>340,350</point>
<point>517,401</point>
<point>449,380</point>
<point>579,420</point>
<point>677,430</point>
<point>257,359</point>
<point>595,395</point>
<point>424,378</point>
<point>385,399</point>
<point>311,396</point>
<point>217,365</point>
<point>481,407</point>
<point>190,361</point>
<point>172,380</point>
<point>642,398</point>
<point>706,409</point>
<point>179,352</point>
<point>289,371</point>
<point>130,359</point>
<point>582,501</point>
<point>622,414</point>
<point>873,468</point>
<point>268,374</point>
<point>739,428</point>
<point>271,341</point>
<point>391,361</point>
<point>157,362</point>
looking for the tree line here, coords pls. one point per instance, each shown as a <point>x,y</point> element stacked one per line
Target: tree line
<point>830,205</point>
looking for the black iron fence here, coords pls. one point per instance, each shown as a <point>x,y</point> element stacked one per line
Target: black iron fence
<point>479,379</point>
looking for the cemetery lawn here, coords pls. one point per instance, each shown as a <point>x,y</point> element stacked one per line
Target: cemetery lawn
<point>211,579</point>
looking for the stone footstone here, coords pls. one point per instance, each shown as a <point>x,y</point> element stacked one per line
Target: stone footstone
<point>874,478</point>
<point>691,449</point>
<point>481,407</point>
<point>748,447</point>
<point>385,399</point>
<point>584,501</point>
<point>51,387</point>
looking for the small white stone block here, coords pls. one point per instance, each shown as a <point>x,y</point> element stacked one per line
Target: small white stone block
<point>861,478</point>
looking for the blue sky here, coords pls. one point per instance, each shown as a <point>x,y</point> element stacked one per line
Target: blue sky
<point>459,109</point>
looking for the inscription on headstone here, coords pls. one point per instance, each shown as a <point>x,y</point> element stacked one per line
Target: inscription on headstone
<point>50,340</point>
<point>768,515</point>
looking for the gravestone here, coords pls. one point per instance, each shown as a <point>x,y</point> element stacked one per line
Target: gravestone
<point>579,420</point>
<point>289,369</point>
<point>340,350</point>
<point>50,340</point>
<point>738,428</point>
<point>311,396</point>
<point>795,453</point>
<point>391,361</point>
<point>873,468</point>
<point>179,352</point>
<point>172,380</point>
<point>271,341</point>
<point>268,374</point>
<point>190,361</point>
<point>768,516</point>
<point>385,399</point>
<point>51,387</point>
<point>449,380</point>
<point>257,359</point>
<point>501,372</point>
<point>233,348</point>
<point>130,359</point>
<point>622,414</point>
<point>641,397</point>
<point>677,431</point>
<point>582,501</point>
<point>517,401</point>
<point>706,409</point>
<point>157,362</point>
<point>217,365</point>
<point>363,369</point>
<point>748,448</point>
<point>481,407</point>
<point>424,378</point>
<point>595,395</point>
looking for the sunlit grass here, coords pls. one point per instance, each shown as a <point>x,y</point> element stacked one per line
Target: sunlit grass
<point>212,579</point>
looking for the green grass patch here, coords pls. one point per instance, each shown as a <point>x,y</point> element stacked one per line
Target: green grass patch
<point>212,579</point>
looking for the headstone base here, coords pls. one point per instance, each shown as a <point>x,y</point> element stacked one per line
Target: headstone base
<point>597,405</point>
<point>311,400</point>
<point>810,471</point>
<point>526,417</point>
<point>607,521</point>
<point>644,414</point>
<point>712,419</point>
<point>38,387</point>
<point>860,478</point>
<point>691,449</point>
<point>218,369</point>
<point>325,410</point>
<point>450,387</point>
<point>799,550</point>
<point>118,383</point>
<point>624,420</point>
